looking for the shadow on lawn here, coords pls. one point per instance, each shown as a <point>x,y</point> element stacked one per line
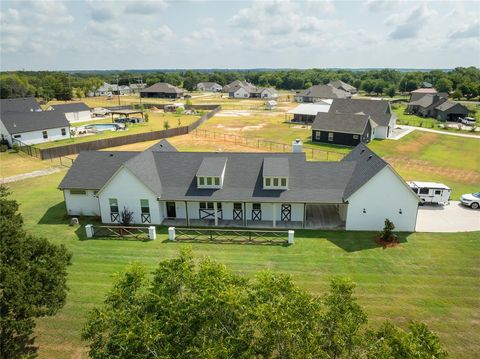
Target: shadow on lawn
<point>55,215</point>
<point>351,241</point>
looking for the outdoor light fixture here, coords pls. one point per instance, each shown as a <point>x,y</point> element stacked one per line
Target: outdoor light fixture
<point>400,211</point>
<point>364,210</point>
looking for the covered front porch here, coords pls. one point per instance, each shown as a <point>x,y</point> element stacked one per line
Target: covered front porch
<point>255,215</point>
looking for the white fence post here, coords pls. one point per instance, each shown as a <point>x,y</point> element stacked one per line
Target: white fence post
<point>171,233</point>
<point>152,233</point>
<point>89,230</point>
<point>291,236</point>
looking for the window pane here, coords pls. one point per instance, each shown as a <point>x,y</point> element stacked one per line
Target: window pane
<point>203,205</point>
<point>275,182</point>
<point>113,205</point>
<point>144,205</point>
<point>268,182</point>
<point>201,180</point>
<point>219,205</point>
<point>284,182</point>
<point>209,181</point>
<point>210,205</point>
<point>217,181</point>
<point>256,206</point>
<point>424,190</point>
<point>237,206</point>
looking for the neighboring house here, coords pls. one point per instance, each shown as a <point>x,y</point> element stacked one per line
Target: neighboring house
<point>342,129</point>
<point>209,86</point>
<point>419,93</point>
<point>162,90</point>
<point>120,89</point>
<point>306,112</point>
<point>23,120</point>
<point>319,92</point>
<point>271,105</point>
<point>436,105</point>
<point>244,89</point>
<point>104,90</point>
<point>379,111</point>
<point>239,189</point>
<point>135,88</point>
<point>338,84</point>
<point>74,112</point>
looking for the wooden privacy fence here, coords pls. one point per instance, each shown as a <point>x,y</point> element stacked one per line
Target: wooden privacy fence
<point>121,232</point>
<point>230,236</point>
<point>260,143</point>
<point>59,151</point>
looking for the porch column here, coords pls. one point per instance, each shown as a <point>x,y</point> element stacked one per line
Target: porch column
<point>244,214</point>
<point>274,214</point>
<point>216,213</point>
<point>304,215</point>
<point>186,214</point>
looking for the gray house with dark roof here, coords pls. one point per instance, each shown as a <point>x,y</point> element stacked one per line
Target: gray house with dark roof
<point>319,92</point>
<point>436,105</point>
<point>339,84</point>
<point>74,112</point>
<point>162,90</point>
<point>22,120</point>
<point>230,189</point>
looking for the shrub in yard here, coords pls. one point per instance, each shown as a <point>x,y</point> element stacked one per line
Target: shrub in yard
<point>146,117</point>
<point>15,147</point>
<point>3,148</point>
<point>166,125</point>
<point>126,217</point>
<point>387,232</point>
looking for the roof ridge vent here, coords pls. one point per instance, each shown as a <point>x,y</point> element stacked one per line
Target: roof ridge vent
<point>369,157</point>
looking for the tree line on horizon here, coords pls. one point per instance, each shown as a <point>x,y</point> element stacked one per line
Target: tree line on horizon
<point>461,82</point>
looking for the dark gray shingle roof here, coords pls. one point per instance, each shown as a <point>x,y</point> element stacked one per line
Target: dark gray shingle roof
<point>20,122</point>
<point>92,169</point>
<point>447,105</point>
<point>324,91</point>
<point>339,84</point>
<point>275,167</point>
<point>163,87</point>
<point>23,104</point>
<point>71,107</point>
<point>212,166</point>
<point>163,145</point>
<point>341,122</point>
<point>378,110</point>
<point>367,165</point>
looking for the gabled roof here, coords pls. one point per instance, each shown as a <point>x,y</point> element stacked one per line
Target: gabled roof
<point>276,167</point>
<point>70,107</point>
<point>425,90</point>
<point>378,110</point>
<point>208,84</point>
<point>92,169</point>
<point>235,85</point>
<point>20,122</point>
<point>428,100</point>
<point>162,145</point>
<point>341,122</point>
<point>163,87</point>
<point>323,91</point>
<point>212,167</point>
<point>367,165</point>
<point>311,108</point>
<point>22,104</point>
<point>339,84</point>
<point>447,105</point>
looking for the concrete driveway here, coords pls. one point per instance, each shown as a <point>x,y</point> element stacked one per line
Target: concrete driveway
<point>453,217</point>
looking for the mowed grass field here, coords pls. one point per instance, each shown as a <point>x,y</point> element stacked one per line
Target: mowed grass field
<point>433,278</point>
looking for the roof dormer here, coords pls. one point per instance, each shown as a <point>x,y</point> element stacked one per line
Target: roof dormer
<point>211,172</point>
<point>276,173</point>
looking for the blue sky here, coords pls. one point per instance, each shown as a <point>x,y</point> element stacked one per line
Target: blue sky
<point>84,35</point>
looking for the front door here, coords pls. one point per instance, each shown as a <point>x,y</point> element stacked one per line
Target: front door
<point>171,211</point>
<point>286,212</point>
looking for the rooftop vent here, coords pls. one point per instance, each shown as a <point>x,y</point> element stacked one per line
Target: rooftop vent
<point>111,155</point>
<point>369,157</point>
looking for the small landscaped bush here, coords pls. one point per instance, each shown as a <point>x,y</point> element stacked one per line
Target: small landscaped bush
<point>15,147</point>
<point>387,233</point>
<point>126,217</point>
<point>3,148</point>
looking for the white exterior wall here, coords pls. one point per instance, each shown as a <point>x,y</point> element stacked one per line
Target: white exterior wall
<point>33,137</point>
<point>382,197</point>
<point>241,93</point>
<point>381,131</point>
<point>4,134</point>
<point>82,205</point>
<point>268,94</point>
<point>78,116</point>
<point>128,190</point>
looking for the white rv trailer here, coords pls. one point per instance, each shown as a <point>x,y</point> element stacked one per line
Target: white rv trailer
<point>431,192</point>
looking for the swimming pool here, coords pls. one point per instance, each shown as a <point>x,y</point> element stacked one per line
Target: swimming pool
<point>103,127</point>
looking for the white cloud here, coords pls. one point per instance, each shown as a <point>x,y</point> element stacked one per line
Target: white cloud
<point>382,5</point>
<point>408,25</point>
<point>467,31</point>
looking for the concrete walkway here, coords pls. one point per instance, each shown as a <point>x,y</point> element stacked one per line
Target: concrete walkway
<point>45,172</point>
<point>453,217</point>
<point>449,133</point>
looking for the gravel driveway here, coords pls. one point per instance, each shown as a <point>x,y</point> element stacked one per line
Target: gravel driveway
<point>453,217</point>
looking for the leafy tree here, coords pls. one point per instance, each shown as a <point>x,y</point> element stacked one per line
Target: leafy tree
<point>33,275</point>
<point>457,94</point>
<point>391,91</point>
<point>368,86</point>
<point>166,125</point>
<point>444,85</point>
<point>191,310</point>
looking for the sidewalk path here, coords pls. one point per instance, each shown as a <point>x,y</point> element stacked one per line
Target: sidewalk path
<point>45,172</point>
<point>450,132</point>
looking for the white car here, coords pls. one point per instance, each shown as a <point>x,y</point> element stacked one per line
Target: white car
<point>471,199</point>
<point>469,121</point>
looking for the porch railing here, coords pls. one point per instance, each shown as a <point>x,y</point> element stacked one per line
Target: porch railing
<point>121,232</point>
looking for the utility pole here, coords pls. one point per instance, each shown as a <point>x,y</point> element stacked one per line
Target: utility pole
<point>118,89</point>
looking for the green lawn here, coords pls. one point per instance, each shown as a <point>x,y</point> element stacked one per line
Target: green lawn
<point>430,277</point>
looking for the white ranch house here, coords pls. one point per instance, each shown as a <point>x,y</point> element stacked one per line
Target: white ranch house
<point>74,112</point>
<point>262,190</point>
<point>209,86</point>
<point>22,120</point>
